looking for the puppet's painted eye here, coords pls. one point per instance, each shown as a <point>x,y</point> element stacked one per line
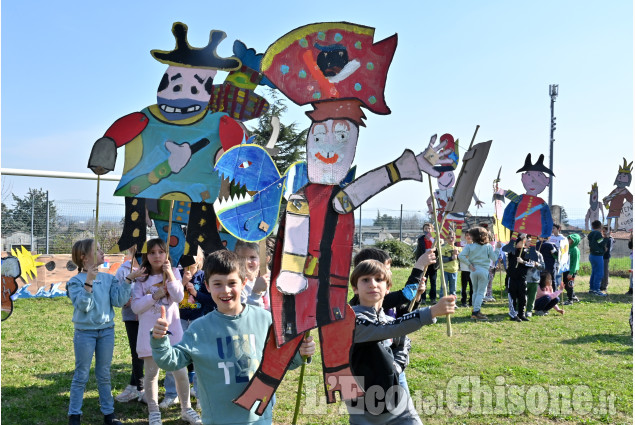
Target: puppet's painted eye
<point>245,164</point>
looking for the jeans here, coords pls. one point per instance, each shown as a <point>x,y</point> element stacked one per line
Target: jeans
<point>101,343</point>
<point>450,281</point>
<point>597,271</point>
<point>479,278</point>
<point>403,382</point>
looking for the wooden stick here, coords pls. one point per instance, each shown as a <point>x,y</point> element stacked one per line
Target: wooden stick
<point>96,220</point>
<point>438,244</point>
<point>300,382</point>
<point>167,242</point>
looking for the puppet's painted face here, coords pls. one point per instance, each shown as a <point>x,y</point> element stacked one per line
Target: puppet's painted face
<point>594,196</point>
<point>184,92</point>
<point>623,180</point>
<point>330,150</point>
<point>446,180</point>
<point>534,182</point>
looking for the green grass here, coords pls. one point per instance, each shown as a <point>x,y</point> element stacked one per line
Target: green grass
<point>590,348</point>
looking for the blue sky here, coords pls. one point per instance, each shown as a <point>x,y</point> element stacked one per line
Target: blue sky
<point>70,68</point>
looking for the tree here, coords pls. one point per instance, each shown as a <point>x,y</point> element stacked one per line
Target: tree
<point>291,142</point>
<point>564,217</point>
<point>386,221</point>
<point>18,218</point>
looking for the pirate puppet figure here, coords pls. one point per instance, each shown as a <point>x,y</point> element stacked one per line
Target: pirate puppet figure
<point>338,69</point>
<point>529,213</point>
<point>452,221</point>
<point>171,147</point>
<point>620,201</point>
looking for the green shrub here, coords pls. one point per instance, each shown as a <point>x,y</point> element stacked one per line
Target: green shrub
<point>400,252</point>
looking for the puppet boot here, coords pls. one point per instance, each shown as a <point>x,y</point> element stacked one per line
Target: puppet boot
<point>257,390</point>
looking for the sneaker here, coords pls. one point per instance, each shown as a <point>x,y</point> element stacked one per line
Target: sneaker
<point>74,419</point>
<point>524,318</point>
<point>142,397</point>
<point>489,299</point>
<point>190,416</point>
<point>575,299</point>
<point>515,319</point>
<point>568,302</point>
<point>129,394</point>
<point>110,420</point>
<point>464,305</point>
<point>541,313</point>
<point>600,294</point>
<point>528,314</point>
<point>154,418</point>
<point>168,401</point>
<point>479,316</point>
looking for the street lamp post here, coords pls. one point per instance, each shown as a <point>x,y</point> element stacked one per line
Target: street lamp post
<point>553,93</point>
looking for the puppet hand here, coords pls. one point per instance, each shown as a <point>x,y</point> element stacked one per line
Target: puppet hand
<point>479,204</point>
<point>179,155</point>
<point>103,156</point>
<point>434,155</point>
<point>160,328</point>
<point>290,283</point>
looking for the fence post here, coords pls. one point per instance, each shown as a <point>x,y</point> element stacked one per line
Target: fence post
<point>47,222</point>
<point>360,226</point>
<point>32,215</point>
<point>401,223</point>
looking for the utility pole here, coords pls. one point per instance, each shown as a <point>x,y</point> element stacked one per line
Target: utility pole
<point>553,93</point>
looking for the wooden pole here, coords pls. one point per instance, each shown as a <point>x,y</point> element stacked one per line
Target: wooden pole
<point>96,220</point>
<point>438,244</point>
<point>298,396</point>
<point>167,241</point>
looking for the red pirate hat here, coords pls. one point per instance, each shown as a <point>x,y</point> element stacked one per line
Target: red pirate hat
<point>331,61</point>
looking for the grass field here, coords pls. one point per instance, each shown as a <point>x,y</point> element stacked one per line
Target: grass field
<point>576,368</point>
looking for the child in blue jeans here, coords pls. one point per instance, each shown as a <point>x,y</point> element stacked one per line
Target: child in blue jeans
<point>478,256</point>
<point>93,295</point>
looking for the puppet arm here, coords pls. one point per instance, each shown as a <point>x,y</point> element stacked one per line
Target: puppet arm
<point>373,182</point>
<point>295,248</point>
<point>512,196</point>
<point>104,153</point>
<point>477,201</point>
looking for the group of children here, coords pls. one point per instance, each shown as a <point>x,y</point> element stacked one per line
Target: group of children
<point>536,276</point>
<point>226,344</point>
<point>215,319</point>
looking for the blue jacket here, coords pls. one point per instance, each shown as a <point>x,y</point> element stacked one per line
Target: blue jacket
<point>95,310</point>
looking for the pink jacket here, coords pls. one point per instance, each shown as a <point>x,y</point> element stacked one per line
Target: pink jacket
<point>149,310</point>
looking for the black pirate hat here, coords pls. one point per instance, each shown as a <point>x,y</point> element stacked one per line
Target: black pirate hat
<point>188,56</point>
<point>538,166</point>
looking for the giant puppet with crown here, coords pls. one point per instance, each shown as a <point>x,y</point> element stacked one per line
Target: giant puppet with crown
<point>619,202</point>
<point>339,70</point>
<point>171,146</point>
<point>528,213</point>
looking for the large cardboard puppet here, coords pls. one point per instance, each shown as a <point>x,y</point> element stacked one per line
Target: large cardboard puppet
<point>338,69</point>
<point>171,146</point>
<point>595,207</point>
<point>528,213</point>
<point>619,202</point>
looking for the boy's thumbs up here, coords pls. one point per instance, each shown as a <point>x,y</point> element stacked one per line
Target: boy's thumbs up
<point>160,328</point>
